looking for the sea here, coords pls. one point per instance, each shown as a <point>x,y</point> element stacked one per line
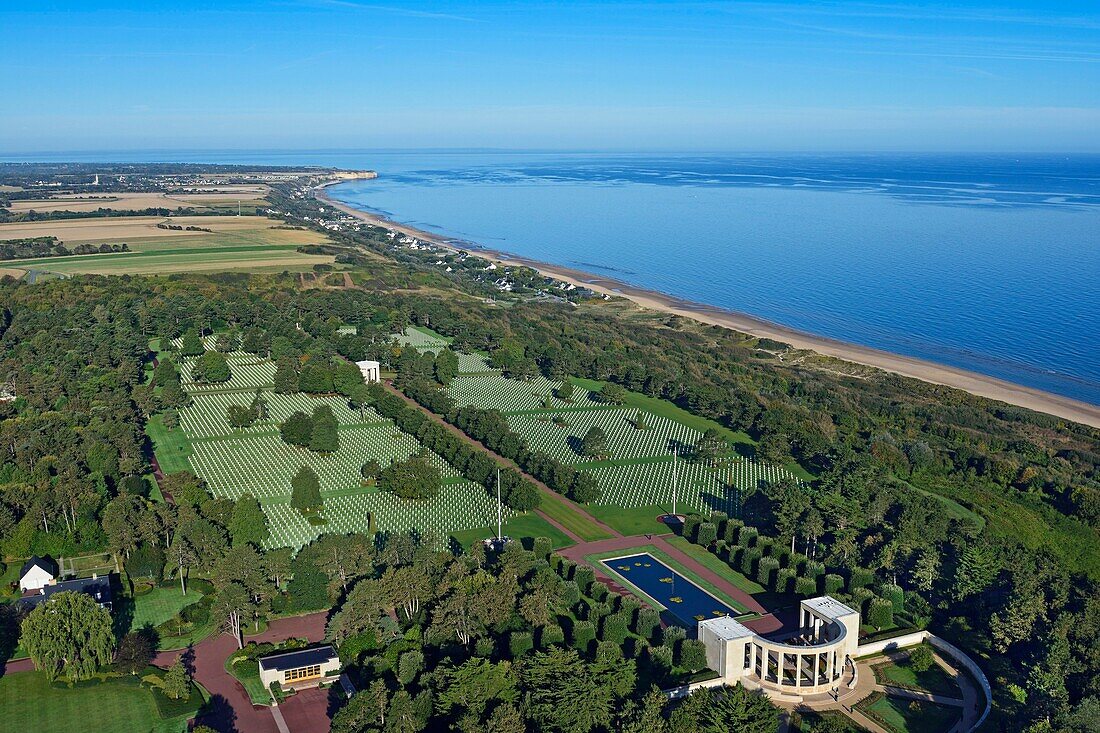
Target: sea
<point>990,263</point>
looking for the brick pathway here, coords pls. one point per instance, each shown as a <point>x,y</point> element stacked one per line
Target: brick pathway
<point>231,710</point>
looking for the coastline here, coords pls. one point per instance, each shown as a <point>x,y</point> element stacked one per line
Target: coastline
<point>926,371</point>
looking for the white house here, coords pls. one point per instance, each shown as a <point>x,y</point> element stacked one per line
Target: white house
<point>37,573</point>
<point>371,371</point>
<point>304,667</point>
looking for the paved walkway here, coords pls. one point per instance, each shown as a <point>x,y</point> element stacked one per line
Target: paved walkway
<point>231,709</point>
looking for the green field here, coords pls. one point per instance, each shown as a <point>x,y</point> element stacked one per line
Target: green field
<point>161,604</point>
<point>235,243</point>
<point>116,705</point>
<point>934,680</point>
<point>521,527</point>
<point>907,716</point>
<point>572,518</point>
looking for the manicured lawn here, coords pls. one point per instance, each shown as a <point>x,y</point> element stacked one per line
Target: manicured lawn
<point>631,521</point>
<point>714,563</point>
<point>910,716</point>
<point>161,604</point>
<point>524,526</point>
<point>576,521</point>
<point>29,703</point>
<point>743,443</point>
<point>808,721</point>
<point>934,679</point>
<point>171,447</point>
<point>247,671</point>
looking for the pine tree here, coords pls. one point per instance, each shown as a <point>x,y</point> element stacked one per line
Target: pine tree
<point>192,344</point>
<point>594,442</point>
<point>177,683</point>
<point>325,437</point>
<point>248,523</point>
<point>305,488</point>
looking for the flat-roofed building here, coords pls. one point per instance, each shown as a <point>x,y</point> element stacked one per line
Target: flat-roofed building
<point>300,668</point>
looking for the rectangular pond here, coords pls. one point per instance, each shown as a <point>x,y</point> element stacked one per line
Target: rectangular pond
<point>685,602</point>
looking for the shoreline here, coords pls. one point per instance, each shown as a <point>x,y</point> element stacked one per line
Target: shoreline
<point>940,374</point>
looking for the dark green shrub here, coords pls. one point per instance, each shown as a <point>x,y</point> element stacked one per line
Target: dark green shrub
<point>859,578</point>
<point>748,560</point>
<point>582,635</point>
<point>584,576</point>
<point>880,613</point>
<point>833,584</point>
<point>647,622</point>
<point>519,643</point>
<point>706,533</point>
<point>672,635</point>
<point>614,628</point>
<point>746,536</point>
<point>894,594</point>
<point>552,634</point>
<point>814,569</point>
<point>765,571</point>
<point>784,580</point>
<point>570,593</point>
<point>598,592</point>
<point>485,647</point>
<point>692,655</point>
<point>543,546</point>
<point>804,586</point>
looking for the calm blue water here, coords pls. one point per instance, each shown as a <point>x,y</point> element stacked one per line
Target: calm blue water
<point>989,263</point>
<point>663,584</point>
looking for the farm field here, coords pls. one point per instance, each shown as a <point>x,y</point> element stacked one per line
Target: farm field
<point>257,461</point>
<point>234,243</point>
<point>137,200</point>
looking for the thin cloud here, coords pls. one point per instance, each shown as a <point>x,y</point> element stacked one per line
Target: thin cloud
<point>408,12</point>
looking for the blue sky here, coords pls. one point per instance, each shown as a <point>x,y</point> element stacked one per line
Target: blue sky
<point>581,75</point>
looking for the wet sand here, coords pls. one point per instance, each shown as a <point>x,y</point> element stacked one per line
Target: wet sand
<point>972,382</point>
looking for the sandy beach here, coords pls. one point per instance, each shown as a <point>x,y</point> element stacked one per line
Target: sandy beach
<point>972,382</point>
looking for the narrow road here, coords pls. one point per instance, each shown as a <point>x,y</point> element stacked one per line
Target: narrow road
<point>547,493</point>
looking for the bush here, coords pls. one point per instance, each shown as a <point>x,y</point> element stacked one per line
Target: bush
<point>880,613</point>
<point>833,584</point>
<point>409,666</point>
<point>766,570</point>
<point>706,533</point>
<point>552,634</point>
<point>672,635</point>
<point>584,576</point>
<point>784,580</point>
<point>859,578</point>
<point>147,563</point>
<point>920,658</point>
<point>746,536</point>
<point>894,594</point>
<point>598,592</point>
<point>582,635</point>
<point>647,622</point>
<point>570,593</point>
<point>691,522</point>
<point>136,485</point>
<point>484,647</point>
<point>614,628</point>
<point>748,560</point>
<point>519,643</point>
<point>814,569</point>
<point>542,547</point>
<point>860,597</point>
<point>804,586</point>
<point>660,657</point>
<point>596,611</point>
<point>729,531</point>
<point>693,655</point>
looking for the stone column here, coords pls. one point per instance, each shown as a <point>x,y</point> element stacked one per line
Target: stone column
<point>817,669</point>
